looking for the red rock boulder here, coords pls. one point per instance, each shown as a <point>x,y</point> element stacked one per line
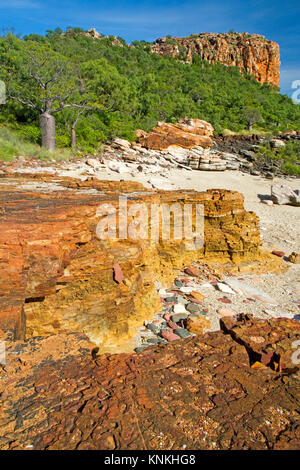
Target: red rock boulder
<point>187,133</point>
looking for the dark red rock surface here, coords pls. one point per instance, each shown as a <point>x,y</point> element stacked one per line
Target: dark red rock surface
<point>201,393</point>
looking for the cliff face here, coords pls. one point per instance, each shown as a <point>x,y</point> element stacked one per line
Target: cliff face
<point>253,54</point>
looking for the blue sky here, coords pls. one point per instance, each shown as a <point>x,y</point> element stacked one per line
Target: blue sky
<point>140,19</point>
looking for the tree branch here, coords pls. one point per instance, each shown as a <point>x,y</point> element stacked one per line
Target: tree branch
<point>25,103</point>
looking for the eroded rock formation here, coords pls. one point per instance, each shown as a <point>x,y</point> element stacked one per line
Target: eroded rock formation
<point>206,392</point>
<point>57,275</point>
<point>251,53</point>
<point>187,133</point>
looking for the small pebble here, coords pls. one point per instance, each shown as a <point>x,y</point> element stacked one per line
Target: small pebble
<point>171,299</point>
<point>169,335</point>
<point>172,325</point>
<point>225,300</point>
<point>192,307</point>
<point>179,308</point>
<point>168,316</point>
<point>278,253</point>
<point>182,333</point>
<point>153,340</point>
<point>142,348</point>
<point>192,271</point>
<point>178,317</point>
<point>226,312</point>
<point>224,288</point>
<point>267,201</point>
<point>186,289</point>
<point>152,328</point>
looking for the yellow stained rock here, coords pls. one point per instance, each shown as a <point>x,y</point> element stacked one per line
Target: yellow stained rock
<point>294,258</point>
<point>197,296</point>
<point>197,325</point>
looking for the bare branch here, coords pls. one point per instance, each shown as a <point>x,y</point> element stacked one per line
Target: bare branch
<point>25,103</point>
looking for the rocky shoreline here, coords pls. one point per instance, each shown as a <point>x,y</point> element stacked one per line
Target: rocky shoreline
<point>122,344</point>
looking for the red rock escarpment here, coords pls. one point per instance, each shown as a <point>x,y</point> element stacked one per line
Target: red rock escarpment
<point>251,53</point>
<point>205,392</point>
<point>57,276</point>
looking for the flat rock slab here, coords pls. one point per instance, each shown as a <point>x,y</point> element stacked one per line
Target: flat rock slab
<point>200,392</point>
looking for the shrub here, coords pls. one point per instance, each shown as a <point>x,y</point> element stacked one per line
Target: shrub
<point>31,132</point>
<point>290,168</point>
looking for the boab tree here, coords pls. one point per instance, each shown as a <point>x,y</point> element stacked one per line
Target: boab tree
<point>252,116</point>
<point>45,81</point>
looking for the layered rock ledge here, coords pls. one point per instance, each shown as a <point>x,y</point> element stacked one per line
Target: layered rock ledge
<point>57,276</point>
<point>187,133</point>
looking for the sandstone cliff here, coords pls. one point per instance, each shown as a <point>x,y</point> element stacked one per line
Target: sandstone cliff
<point>253,53</point>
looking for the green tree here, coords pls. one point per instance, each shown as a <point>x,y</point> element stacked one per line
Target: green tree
<point>252,116</point>
<point>44,81</point>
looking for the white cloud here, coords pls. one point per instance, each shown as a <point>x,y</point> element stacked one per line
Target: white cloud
<point>288,75</point>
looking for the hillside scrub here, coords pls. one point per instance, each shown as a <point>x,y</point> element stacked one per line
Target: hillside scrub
<point>288,157</point>
<point>124,87</point>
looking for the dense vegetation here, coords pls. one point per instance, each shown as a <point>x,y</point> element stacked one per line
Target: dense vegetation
<point>105,88</point>
<point>287,157</point>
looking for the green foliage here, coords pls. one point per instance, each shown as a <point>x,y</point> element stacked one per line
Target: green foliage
<point>62,141</point>
<point>288,156</point>
<point>252,116</point>
<point>290,168</point>
<point>124,88</point>
<point>30,132</point>
<point>12,145</point>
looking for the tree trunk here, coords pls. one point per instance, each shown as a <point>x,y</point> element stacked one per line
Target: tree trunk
<point>250,126</point>
<point>47,124</point>
<point>73,139</point>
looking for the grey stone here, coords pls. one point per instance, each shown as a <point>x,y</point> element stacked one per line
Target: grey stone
<point>192,308</point>
<point>152,328</point>
<point>282,194</point>
<point>142,348</point>
<point>178,317</point>
<point>153,340</point>
<point>171,299</point>
<point>182,333</point>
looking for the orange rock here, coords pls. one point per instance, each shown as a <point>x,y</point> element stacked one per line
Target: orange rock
<point>56,274</point>
<point>251,53</point>
<point>196,325</point>
<point>197,296</point>
<point>258,365</point>
<point>187,133</point>
<point>204,385</point>
<point>192,271</point>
